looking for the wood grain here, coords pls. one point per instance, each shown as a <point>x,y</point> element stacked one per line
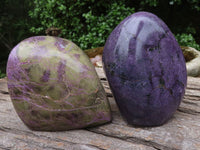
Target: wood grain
<point>181,132</point>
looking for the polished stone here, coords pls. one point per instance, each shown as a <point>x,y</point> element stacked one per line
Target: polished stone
<point>54,86</point>
<point>146,69</point>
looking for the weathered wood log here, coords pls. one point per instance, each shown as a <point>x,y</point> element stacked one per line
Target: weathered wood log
<point>180,132</point>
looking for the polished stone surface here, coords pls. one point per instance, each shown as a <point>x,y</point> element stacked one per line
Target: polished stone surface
<point>54,86</point>
<point>146,69</point>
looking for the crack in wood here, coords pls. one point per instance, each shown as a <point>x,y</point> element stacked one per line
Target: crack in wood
<point>103,79</point>
<point>193,88</point>
<point>94,146</point>
<point>188,102</point>
<point>136,141</point>
<point>148,143</point>
<point>20,132</point>
<point>191,95</point>
<point>188,111</point>
<point>38,144</point>
<point>192,98</point>
<point>109,95</point>
<point>31,134</point>
<point>89,145</point>
<point>4,92</point>
<point>3,100</point>
<point>5,148</point>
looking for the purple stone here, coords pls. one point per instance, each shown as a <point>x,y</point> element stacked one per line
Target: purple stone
<point>146,69</point>
<point>54,86</point>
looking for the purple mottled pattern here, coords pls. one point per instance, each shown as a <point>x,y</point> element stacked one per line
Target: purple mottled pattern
<point>146,69</point>
<point>54,86</point>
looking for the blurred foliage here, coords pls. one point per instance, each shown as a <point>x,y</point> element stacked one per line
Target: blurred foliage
<point>14,24</point>
<point>193,4</point>
<point>65,14</point>
<point>2,75</point>
<point>187,40</point>
<point>182,16</point>
<point>99,27</point>
<point>89,22</point>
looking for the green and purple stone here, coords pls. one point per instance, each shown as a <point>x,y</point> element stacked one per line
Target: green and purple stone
<point>54,86</point>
